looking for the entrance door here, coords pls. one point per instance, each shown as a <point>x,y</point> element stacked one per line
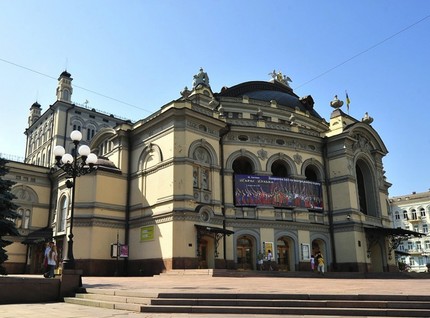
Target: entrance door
<point>203,251</point>
<point>284,262</point>
<point>244,253</point>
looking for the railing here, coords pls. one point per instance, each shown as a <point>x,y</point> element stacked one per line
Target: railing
<point>11,157</point>
<point>101,111</point>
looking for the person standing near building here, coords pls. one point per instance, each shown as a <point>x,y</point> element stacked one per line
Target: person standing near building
<point>51,256</point>
<point>320,261</point>
<point>312,263</point>
<point>269,259</point>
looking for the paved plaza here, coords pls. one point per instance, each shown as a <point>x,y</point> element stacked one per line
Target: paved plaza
<point>206,283</point>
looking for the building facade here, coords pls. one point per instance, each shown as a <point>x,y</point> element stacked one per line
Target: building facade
<point>211,180</point>
<point>412,212</point>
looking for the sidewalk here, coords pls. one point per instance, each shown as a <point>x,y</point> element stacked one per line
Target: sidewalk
<point>205,283</point>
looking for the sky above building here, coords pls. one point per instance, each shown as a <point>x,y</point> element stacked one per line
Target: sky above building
<point>129,58</point>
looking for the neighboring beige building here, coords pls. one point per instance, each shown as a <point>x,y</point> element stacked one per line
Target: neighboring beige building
<point>210,180</point>
<point>412,212</point>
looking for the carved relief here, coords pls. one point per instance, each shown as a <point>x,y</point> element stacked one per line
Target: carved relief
<point>298,158</point>
<point>361,143</point>
<point>262,154</point>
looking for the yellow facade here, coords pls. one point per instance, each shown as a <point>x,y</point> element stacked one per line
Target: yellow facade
<point>166,186</point>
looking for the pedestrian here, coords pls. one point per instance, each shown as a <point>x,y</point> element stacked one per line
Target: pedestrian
<point>312,263</point>
<point>320,264</point>
<point>269,259</point>
<point>260,261</point>
<point>51,256</point>
<point>45,257</point>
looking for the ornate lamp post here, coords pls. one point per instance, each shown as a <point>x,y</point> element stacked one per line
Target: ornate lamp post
<point>74,166</point>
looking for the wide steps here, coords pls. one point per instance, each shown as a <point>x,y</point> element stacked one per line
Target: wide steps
<point>254,304</point>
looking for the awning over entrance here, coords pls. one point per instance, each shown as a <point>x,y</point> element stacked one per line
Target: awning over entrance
<point>38,236</point>
<point>209,229</point>
<point>215,232</point>
<point>395,236</point>
<point>393,231</point>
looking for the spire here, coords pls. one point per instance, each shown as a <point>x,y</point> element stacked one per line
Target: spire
<point>64,88</point>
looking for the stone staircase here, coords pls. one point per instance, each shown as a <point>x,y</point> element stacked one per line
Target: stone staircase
<point>256,304</point>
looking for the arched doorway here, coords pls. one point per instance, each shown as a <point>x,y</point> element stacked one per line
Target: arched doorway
<point>319,246</point>
<point>244,253</point>
<point>377,263</point>
<point>285,254</point>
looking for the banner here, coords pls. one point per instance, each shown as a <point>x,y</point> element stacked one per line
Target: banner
<point>251,190</point>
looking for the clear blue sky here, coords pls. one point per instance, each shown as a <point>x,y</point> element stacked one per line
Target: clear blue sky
<point>138,55</point>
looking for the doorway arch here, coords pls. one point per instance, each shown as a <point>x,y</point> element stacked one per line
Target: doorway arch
<point>285,254</point>
<point>245,254</point>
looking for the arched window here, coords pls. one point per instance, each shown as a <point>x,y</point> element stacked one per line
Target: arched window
<point>201,169</point>
<point>422,212</point>
<point>397,215</point>
<point>66,94</point>
<point>405,214</point>
<point>26,219</point>
<point>242,165</point>
<point>62,216</point>
<point>414,214</point>
<point>311,173</point>
<point>280,169</point>
<point>366,189</point>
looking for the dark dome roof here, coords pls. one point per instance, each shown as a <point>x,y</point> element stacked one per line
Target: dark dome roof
<point>35,105</point>
<point>268,91</point>
<point>66,74</point>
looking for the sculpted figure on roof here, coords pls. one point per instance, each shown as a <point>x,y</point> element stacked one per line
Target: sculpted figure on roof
<point>279,77</point>
<point>201,78</point>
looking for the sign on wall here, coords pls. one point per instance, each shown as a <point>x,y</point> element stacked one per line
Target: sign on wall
<point>268,246</point>
<point>251,190</point>
<point>147,233</point>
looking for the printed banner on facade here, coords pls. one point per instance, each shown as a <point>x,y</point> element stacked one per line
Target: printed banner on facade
<point>147,233</point>
<point>251,190</point>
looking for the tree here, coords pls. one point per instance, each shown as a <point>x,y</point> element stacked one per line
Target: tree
<point>8,213</point>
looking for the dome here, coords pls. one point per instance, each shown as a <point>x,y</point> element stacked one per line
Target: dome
<point>35,105</point>
<point>268,91</point>
<point>65,74</point>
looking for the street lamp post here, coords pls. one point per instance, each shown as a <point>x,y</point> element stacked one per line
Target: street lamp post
<point>74,166</point>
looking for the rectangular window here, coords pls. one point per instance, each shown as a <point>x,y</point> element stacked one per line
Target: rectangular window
<point>410,246</point>
<point>418,244</point>
<point>425,228</point>
<point>427,244</point>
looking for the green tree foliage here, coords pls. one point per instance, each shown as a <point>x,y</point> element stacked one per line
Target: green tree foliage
<point>8,214</point>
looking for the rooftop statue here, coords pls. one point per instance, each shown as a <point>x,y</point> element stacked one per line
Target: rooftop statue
<point>367,119</point>
<point>283,79</point>
<point>201,78</point>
